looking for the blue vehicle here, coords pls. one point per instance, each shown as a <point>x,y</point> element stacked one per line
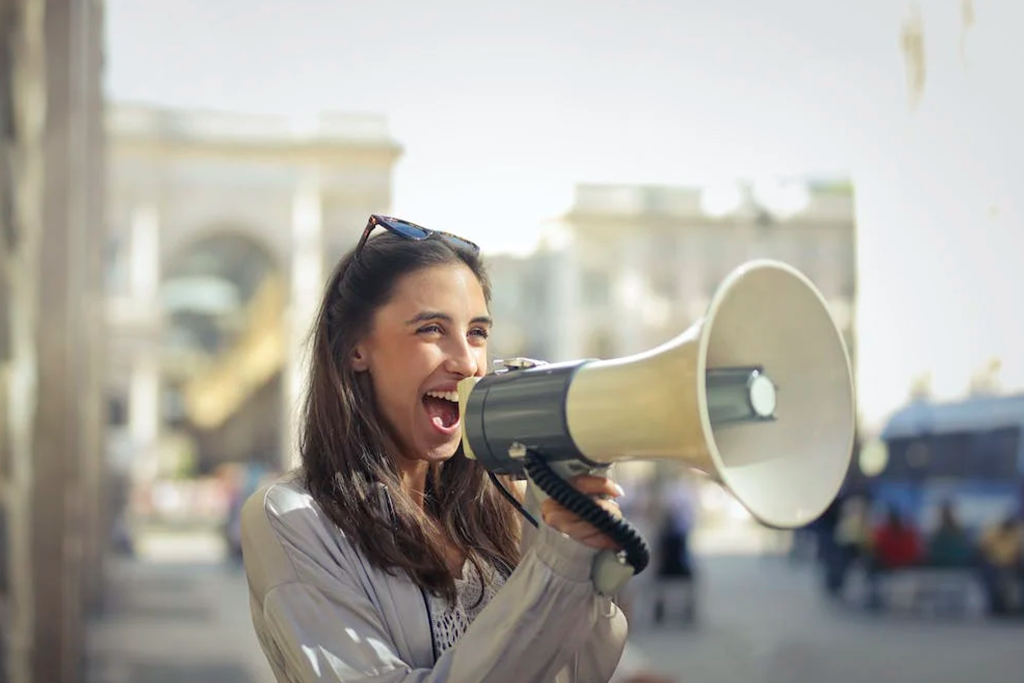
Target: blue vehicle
<point>968,452</point>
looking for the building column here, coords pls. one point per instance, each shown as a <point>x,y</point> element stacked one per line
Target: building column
<point>144,256</point>
<point>564,312</point>
<point>21,225</point>
<point>51,227</point>
<point>629,288</point>
<point>144,418</point>
<point>144,405</point>
<point>304,297</point>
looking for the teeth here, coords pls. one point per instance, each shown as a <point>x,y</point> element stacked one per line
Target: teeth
<point>452,396</point>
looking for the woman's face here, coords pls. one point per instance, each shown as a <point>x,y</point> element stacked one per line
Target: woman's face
<point>431,334</point>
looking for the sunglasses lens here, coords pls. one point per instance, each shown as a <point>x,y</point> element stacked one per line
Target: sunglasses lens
<point>458,241</point>
<point>405,229</point>
<point>412,231</point>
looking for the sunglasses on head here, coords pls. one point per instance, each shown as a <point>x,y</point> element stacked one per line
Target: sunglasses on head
<point>410,231</point>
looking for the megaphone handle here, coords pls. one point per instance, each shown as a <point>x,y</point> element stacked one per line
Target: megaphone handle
<point>611,569</point>
<point>566,469</point>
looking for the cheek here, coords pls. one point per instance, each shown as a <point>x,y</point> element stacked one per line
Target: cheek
<point>396,385</point>
<point>384,390</point>
<point>482,366</point>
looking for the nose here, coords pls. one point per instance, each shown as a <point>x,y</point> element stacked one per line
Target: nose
<point>462,359</point>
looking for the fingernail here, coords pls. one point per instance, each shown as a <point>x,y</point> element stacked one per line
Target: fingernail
<point>618,491</point>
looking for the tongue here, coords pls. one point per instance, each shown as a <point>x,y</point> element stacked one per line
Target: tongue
<point>443,413</point>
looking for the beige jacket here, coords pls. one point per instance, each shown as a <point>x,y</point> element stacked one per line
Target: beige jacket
<point>323,613</point>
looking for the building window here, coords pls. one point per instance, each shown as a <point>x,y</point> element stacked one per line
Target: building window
<point>115,265</point>
<point>117,410</point>
<point>663,264</point>
<point>596,288</point>
<point>600,345</point>
<point>5,316</point>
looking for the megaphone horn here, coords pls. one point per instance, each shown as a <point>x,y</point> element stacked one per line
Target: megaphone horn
<point>758,395</point>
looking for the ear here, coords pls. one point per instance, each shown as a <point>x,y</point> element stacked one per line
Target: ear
<point>360,360</point>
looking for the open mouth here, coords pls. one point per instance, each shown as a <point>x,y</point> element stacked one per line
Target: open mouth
<point>442,408</point>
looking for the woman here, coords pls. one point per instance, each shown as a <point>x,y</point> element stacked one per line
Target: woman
<point>388,556</point>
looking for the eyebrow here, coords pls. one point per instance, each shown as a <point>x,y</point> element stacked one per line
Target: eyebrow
<point>424,316</point>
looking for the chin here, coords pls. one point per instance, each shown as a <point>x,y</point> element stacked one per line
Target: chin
<point>442,453</point>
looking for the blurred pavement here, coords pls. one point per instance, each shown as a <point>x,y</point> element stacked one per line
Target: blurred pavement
<point>764,620</point>
<point>176,614</point>
<point>761,620</point>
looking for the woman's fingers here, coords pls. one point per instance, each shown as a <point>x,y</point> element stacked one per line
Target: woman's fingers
<point>558,517</point>
<point>550,508</point>
<point>593,485</point>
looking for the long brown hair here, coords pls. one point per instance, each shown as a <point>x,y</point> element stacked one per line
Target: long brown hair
<point>347,465</point>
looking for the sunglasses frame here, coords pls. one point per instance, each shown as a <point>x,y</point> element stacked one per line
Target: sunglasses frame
<point>391,224</point>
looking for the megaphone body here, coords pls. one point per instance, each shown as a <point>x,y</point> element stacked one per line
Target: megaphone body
<point>758,395</point>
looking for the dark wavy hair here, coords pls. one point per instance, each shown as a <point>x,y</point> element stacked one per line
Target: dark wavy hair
<point>346,461</point>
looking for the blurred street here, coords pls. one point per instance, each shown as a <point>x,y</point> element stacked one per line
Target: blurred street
<point>178,612</point>
<point>764,619</point>
<point>761,619</point>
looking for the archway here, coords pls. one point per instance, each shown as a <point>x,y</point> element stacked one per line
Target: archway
<point>222,350</point>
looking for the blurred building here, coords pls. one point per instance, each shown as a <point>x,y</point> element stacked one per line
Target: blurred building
<point>51,330</point>
<point>527,300</point>
<point>222,229</point>
<point>636,265</point>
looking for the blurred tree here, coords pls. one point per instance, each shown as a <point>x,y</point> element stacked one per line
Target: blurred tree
<point>921,387</point>
<point>914,58</point>
<point>966,24</point>
<point>912,41</point>
<point>986,379</point>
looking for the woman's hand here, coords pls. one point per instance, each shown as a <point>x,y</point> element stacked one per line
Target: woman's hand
<point>556,516</point>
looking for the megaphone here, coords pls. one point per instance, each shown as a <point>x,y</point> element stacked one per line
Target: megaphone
<point>757,395</point>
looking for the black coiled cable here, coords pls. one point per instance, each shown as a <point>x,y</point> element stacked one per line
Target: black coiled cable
<point>621,531</point>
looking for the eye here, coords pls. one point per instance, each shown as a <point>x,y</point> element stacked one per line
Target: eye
<point>480,332</point>
<point>430,329</point>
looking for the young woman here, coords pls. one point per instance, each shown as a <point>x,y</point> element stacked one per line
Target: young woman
<point>389,556</point>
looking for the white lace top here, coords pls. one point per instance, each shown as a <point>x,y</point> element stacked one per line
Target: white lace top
<point>448,622</point>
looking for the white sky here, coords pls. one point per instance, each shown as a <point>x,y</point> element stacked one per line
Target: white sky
<point>504,107</point>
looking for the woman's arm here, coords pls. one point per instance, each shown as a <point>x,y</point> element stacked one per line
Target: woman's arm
<point>317,622</point>
<point>598,657</point>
